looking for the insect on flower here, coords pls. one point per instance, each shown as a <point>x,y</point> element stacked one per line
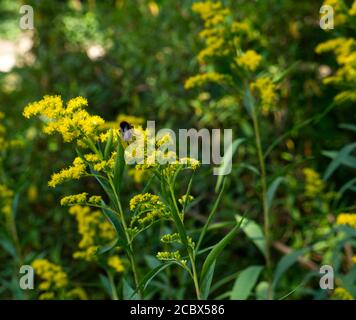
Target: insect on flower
<point>126,131</point>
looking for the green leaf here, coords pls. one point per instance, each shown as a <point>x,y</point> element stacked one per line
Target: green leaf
<point>128,292</point>
<point>245,282</point>
<point>262,291</point>
<point>108,145</point>
<point>215,252</point>
<point>348,126</point>
<point>206,284</point>
<point>348,161</point>
<point>347,186</point>
<point>248,101</point>
<point>106,248</point>
<point>113,218</point>
<point>338,160</point>
<point>285,263</point>
<point>106,284</point>
<point>228,155</point>
<point>150,275</point>
<point>119,165</point>
<point>254,232</point>
<point>272,190</point>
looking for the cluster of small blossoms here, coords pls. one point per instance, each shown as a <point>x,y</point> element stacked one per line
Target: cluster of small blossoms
<point>175,238</point>
<point>201,79</point>
<point>342,13</point>
<point>93,229</point>
<point>348,219</point>
<point>314,186</point>
<point>185,199</point>
<point>53,278</point>
<point>81,198</point>
<point>341,294</point>
<point>148,208</point>
<point>267,90</point>
<point>116,264</point>
<point>144,201</point>
<point>72,121</point>
<point>344,49</point>
<point>171,256</point>
<point>75,172</point>
<point>250,60</point>
<point>231,40</point>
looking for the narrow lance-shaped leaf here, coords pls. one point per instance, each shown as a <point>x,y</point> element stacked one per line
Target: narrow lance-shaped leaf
<point>245,282</point>
<point>215,252</point>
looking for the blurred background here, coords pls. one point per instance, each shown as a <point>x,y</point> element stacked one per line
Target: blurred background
<point>131,58</point>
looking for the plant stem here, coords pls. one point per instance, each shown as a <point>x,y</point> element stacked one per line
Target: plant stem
<point>264,200</point>
<point>129,253</point>
<point>195,276</point>
<point>186,244</point>
<point>113,287</point>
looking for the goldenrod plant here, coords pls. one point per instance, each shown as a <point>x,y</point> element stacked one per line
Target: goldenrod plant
<point>97,201</point>
<point>102,154</point>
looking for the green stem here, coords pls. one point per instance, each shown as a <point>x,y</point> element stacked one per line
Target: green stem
<point>129,253</point>
<point>185,242</point>
<point>113,287</point>
<point>264,200</point>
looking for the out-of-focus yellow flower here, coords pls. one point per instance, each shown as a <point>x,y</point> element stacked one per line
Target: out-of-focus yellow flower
<point>94,231</point>
<point>116,263</point>
<point>77,293</point>
<point>6,196</point>
<point>32,193</point>
<point>341,294</point>
<point>250,60</point>
<point>52,277</point>
<point>202,79</point>
<point>352,11</point>
<point>154,8</point>
<point>267,91</point>
<point>354,259</point>
<point>348,219</point>
<point>314,186</point>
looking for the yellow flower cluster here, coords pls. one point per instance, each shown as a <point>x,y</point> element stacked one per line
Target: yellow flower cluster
<point>72,121</point>
<point>94,231</point>
<point>6,196</point>
<point>144,201</point>
<point>344,50</point>
<point>170,256</point>
<point>342,294</point>
<point>74,172</point>
<point>342,13</point>
<point>115,263</point>
<point>352,11</point>
<point>267,92</point>
<point>250,60</point>
<point>81,198</point>
<point>202,79</point>
<point>52,277</point>
<point>348,219</point>
<point>313,183</point>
